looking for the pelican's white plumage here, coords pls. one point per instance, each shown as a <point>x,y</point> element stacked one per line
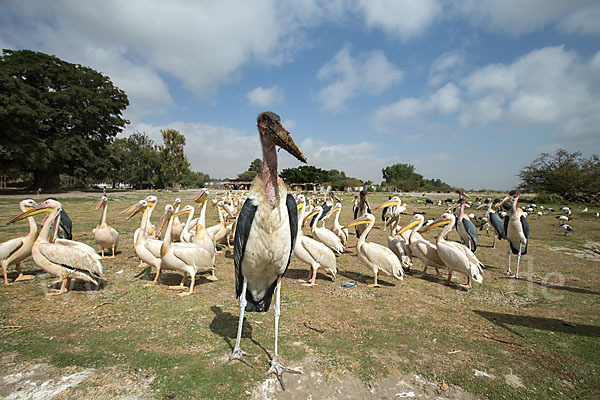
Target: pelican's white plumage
<point>106,236</point>
<point>14,251</point>
<point>324,235</point>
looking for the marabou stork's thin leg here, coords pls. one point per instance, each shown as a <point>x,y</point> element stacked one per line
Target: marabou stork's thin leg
<point>238,353</point>
<point>494,243</point>
<point>276,368</point>
<point>518,259</point>
<point>509,254</point>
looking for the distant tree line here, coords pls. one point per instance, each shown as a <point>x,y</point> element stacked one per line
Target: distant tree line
<point>569,175</point>
<point>402,177</point>
<point>311,174</point>
<point>59,118</point>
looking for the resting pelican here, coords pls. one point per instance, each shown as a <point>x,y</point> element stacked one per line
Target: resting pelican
<point>455,256</point>
<point>375,256</point>
<point>187,258</point>
<point>106,236</point>
<point>517,230</point>
<point>311,251</point>
<point>147,249</point>
<point>466,229</point>
<point>421,248</point>
<point>64,258</point>
<point>324,235</point>
<point>337,227</point>
<point>397,244</point>
<point>14,251</point>
<point>265,235</point>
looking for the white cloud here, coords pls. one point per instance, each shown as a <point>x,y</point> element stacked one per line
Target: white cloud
<point>445,67</point>
<point>400,18</point>
<point>265,97</point>
<point>516,17</point>
<point>369,73</point>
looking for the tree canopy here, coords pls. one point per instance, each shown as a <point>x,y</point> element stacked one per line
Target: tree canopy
<point>57,117</point>
<point>403,177</point>
<point>174,163</point>
<point>136,161</point>
<point>254,169</point>
<point>309,173</point>
<point>569,175</point>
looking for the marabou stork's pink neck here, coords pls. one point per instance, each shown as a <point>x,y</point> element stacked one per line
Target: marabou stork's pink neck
<point>515,201</point>
<point>269,171</point>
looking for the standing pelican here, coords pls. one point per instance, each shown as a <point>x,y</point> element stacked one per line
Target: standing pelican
<point>265,235</point>
<point>324,235</point>
<point>106,236</point>
<point>147,249</point>
<point>14,251</point>
<point>150,204</point>
<point>64,258</point>
<point>517,230</point>
<point>421,248</point>
<point>311,251</point>
<point>455,256</point>
<point>337,228</point>
<point>220,231</point>
<point>187,258</point>
<point>375,256</point>
<point>397,243</point>
<point>177,225</point>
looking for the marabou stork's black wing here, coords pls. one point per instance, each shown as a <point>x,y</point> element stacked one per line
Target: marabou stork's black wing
<point>525,225</point>
<point>506,220</point>
<point>472,232</point>
<point>326,207</point>
<point>242,231</point>
<point>293,215</point>
<point>383,213</point>
<point>496,222</point>
<point>65,225</point>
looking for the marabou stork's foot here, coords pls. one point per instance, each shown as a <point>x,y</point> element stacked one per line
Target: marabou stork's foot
<point>239,354</point>
<point>22,277</point>
<point>513,276</point>
<point>277,369</point>
<point>509,273</point>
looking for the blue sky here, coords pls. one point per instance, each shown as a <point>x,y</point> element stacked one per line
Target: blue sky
<point>469,91</point>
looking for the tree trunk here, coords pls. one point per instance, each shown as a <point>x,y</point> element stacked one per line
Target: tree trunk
<point>46,179</point>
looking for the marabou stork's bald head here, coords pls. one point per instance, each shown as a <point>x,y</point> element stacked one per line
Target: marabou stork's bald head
<point>270,127</point>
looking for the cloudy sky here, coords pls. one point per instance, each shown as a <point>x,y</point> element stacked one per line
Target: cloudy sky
<point>469,91</point>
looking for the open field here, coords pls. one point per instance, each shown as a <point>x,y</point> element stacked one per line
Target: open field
<point>536,337</point>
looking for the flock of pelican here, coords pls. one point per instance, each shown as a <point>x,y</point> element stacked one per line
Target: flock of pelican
<point>265,227</point>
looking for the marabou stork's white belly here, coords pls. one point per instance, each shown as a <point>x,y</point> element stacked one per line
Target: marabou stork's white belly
<point>267,250</point>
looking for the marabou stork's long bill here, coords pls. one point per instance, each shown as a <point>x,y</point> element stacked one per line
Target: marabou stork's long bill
<point>265,235</point>
<point>516,228</point>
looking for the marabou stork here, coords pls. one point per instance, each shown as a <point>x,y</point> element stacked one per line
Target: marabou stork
<point>466,229</point>
<point>516,228</point>
<point>362,209</point>
<point>265,236</point>
<point>494,219</point>
<point>13,251</point>
<point>567,228</point>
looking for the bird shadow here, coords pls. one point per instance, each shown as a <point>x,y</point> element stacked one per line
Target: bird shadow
<point>547,324</point>
<point>225,325</point>
<point>77,285</point>
<point>295,274</point>
<point>362,278</point>
<point>170,278</point>
<point>553,286</point>
<point>419,274</point>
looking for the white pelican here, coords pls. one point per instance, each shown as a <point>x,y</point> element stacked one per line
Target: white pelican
<point>311,251</point>
<point>220,231</point>
<point>177,225</point>
<point>327,205</point>
<point>151,203</point>
<point>420,247</point>
<point>147,249</point>
<point>265,235</point>
<point>516,227</point>
<point>187,258</point>
<point>455,256</point>
<point>14,251</point>
<point>337,227</point>
<point>324,235</point>
<point>106,236</point>
<point>397,244</point>
<point>375,256</point>
<point>64,258</point>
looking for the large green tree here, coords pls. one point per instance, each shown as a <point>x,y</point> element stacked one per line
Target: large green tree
<point>254,169</point>
<point>57,117</point>
<point>174,163</point>
<point>304,174</point>
<point>402,176</point>
<point>136,161</point>
<point>569,175</point>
